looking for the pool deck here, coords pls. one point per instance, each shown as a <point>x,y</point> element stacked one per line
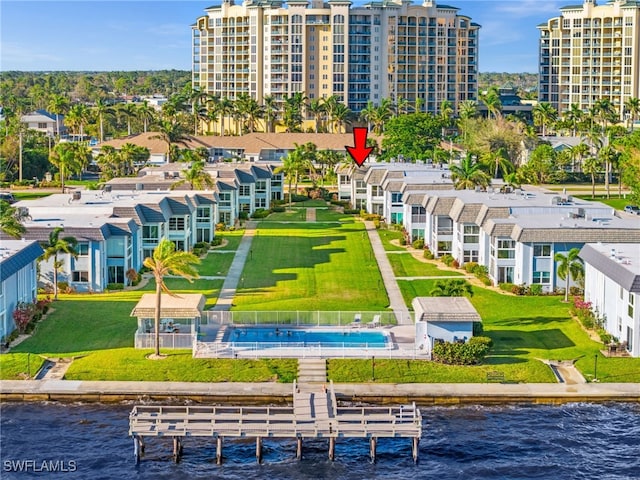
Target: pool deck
<point>281,393</point>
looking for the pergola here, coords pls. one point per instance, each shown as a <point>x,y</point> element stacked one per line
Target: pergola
<point>185,306</point>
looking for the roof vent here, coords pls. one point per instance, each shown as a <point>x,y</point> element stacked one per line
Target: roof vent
<point>613,253</point>
<point>75,195</point>
<point>107,188</point>
<point>139,186</point>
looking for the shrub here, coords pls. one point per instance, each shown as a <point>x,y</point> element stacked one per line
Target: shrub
<point>575,291</point>
<point>481,340</point>
<point>351,211</point>
<point>478,328</point>
<point>418,243</point>
<point>115,286</point>
<point>447,259</point>
<point>605,337</point>
<point>507,287</point>
<point>428,254</point>
<point>485,280</point>
<point>470,267</point>
<point>461,353</point>
<point>243,215</point>
<point>23,315</point>
<point>64,287</point>
<point>369,216</point>
<point>534,289</point>
<point>403,241</point>
<point>216,241</point>
<point>519,289</point>
<point>455,263</point>
<point>299,198</point>
<point>582,310</point>
<point>376,224</point>
<point>260,213</point>
<point>278,209</point>
<point>220,227</point>
<point>480,271</point>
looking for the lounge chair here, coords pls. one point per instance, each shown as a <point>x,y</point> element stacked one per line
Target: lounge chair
<point>357,320</point>
<point>375,322</point>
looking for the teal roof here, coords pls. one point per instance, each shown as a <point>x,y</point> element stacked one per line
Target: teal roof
<point>19,260</point>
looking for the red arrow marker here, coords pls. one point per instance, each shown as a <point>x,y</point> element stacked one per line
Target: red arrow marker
<point>360,151</point>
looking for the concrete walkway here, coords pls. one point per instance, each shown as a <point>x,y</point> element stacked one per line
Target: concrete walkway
<point>228,291</point>
<point>311,214</point>
<point>396,302</point>
<point>229,392</point>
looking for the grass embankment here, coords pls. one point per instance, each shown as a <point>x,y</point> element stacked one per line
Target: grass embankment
<point>313,266</point>
<point>386,236</point>
<point>617,203</point>
<point>406,265</point>
<point>19,366</point>
<point>132,365</point>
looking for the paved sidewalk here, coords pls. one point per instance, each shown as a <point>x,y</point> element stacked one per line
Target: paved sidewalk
<point>228,291</point>
<point>229,392</point>
<point>396,302</point>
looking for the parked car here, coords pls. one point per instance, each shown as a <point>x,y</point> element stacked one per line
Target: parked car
<point>632,209</point>
<point>7,197</point>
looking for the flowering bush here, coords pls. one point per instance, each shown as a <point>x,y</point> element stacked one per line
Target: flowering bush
<point>582,310</point>
<point>24,314</point>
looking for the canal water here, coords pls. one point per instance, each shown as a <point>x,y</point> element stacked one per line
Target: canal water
<point>573,441</point>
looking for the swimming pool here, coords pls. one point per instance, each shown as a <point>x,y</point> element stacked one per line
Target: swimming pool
<point>288,337</point>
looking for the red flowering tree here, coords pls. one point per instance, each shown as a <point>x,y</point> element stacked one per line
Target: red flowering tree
<point>23,314</point>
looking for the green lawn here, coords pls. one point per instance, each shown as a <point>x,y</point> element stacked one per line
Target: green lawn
<point>19,366</point>
<point>293,215</point>
<point>216,263</point>
<point>525,329</point>
<point>128,364</point>
<point>405,265</point>
<point>233,238</point>
<point>313,266</point>
<point>387,235</point>
<point>617,203</point>
<point>29,194</point>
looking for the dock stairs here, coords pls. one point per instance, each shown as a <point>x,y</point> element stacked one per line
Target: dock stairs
<point>312,370</point>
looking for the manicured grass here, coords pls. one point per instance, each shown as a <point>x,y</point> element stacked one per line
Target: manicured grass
<point>128,364</point>
<point>525,329</point>
<point>216,263</point>
<point>82,322</point>
<point>29,194</point>
<point>19,366</point>
<point>405,265</point>
<point>311,266</point>
<point>423,371</point>
<point>387,235</point>
<point>617,203</point>
<point>331,215</point>
<point>311,203</point>
<point>293,215</point>
<point>233,238</point>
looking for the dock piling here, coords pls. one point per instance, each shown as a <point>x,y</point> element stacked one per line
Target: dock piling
<point>219,450</point>
<point>177,449</point>
<point>372,449</point>
<point>259,449</point>
<point>332,448</point>
<point>416,442</point>
<point>299,449</point>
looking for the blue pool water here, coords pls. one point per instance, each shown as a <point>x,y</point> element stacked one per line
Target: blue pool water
<point>296,337</point>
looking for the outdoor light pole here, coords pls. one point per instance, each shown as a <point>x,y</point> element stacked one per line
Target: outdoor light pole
<point>373,369</point>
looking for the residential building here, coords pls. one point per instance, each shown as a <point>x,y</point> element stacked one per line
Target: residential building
<point>115,230</point>
<point>591,52</point>
<point>612,285</point>
<point>48,123</point>
<point>18,279</point>
<point>423,53</point>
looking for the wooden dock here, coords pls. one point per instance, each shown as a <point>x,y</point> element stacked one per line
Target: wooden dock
<point>315,413</point>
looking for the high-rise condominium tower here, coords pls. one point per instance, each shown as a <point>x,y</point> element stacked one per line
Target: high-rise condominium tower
<point>385,49</point>
<point>591,52</point>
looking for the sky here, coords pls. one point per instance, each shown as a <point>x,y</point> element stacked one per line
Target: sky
<point>96,35</point>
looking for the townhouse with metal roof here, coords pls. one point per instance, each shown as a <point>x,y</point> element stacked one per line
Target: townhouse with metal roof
<point>18,279</point>
<point>612,285</point>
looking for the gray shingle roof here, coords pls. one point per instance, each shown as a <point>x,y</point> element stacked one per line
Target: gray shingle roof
<point>624,275</point>
<point>19,259</point>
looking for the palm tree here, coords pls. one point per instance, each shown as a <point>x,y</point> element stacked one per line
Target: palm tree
<point>226,109</point>
<point>340,115</point>
<point>592,166</point>
<point>133,157</point>
<point>491,99</point>
<point>196,176</point>
<point>171,133</point>
<point>569,267</point>
<point>632,107</point>
<point>59,105</point>
<point>608,156</point>
<point>166,261</point>
<point>446,110</point>
<point>146,113</point>
<point>402,106</point>
<point>78,115</point>
<point>381,115</point>
<point>544,115</point>
<point>368,113</point>
<point>250,109</point>
<point>468,109</point>
<point>55,246</point>
<point>110,162</point>
<point>316,109</point>
<point>269,104</point>
<point>130,112</point>
<point>101,110</point>
<point>574,116</point>
<point>452,288</point>
<point>469,174</point>
<point>500,162</point>
<point>10,221</point>
<point>196,98</point>
<point>69,158</point>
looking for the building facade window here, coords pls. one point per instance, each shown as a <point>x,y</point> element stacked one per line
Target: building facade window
<point>631,305</point>
<point>150,233</point>
<point>506,249</point>
<point>82,249</point>
<point>78,276</point>
<point>543,250</point>
<point>177,224</point>
<point>542,277</point>
<point>244,190</point>
<point>471,234</point>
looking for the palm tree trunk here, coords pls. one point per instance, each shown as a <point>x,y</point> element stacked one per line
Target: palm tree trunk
<point>290,193</point>
<point>566,288</point>
<point>156,320</point>
<point>55,277</point>
<point>593,186</point>
<point>101,129</point>
<point>607,167</point>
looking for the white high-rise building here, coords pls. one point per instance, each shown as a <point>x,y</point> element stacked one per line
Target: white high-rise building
<point>424,53</point>
<point>591,52</point>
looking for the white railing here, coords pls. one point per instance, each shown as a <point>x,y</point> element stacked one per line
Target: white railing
<point>302,318</point>
<point>167,340</point>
